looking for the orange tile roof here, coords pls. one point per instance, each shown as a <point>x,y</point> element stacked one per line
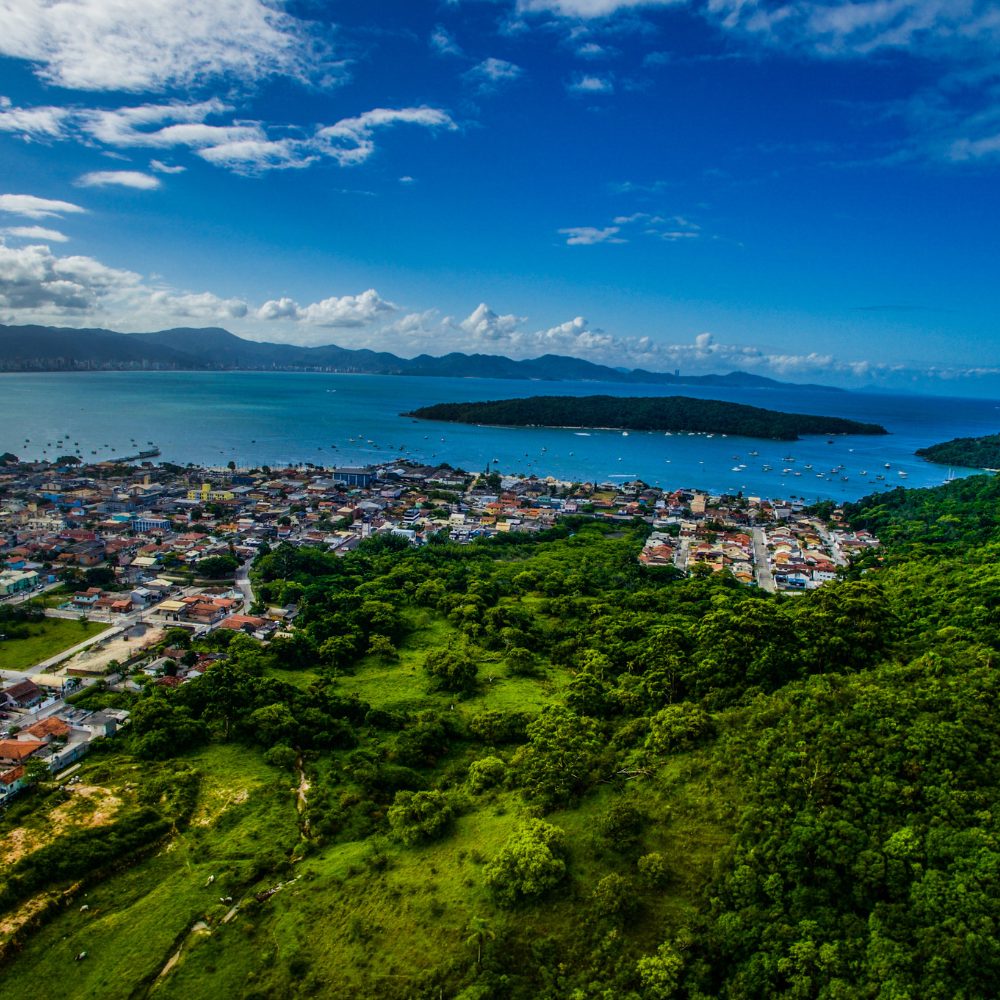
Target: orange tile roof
<point>19,749</point>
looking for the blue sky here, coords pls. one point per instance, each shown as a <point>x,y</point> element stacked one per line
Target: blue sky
<point>807,191</point>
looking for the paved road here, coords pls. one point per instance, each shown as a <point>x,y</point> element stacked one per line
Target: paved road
<point>243,583</point>
<point>681,554</point>
<point>765,580</point>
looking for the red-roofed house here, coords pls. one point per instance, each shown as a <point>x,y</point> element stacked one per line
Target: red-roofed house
<point>18,751</point>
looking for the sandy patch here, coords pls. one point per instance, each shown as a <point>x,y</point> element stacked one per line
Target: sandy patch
<point>88,806</point>
<point>97,657</point>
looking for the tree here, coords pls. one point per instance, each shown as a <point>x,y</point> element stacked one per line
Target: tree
<point>452,668</point>
<point>273,723</point>
<point>660,974</point>
<point>678,727</point>
<point>558,761</point>
<point>614,897</point>
<point>530,864</point>
<point>214,567</point>
<point>417,817</point>
<point>480,932</point>
<point>487,772</point>
<point>520,662</point>
<point>162,728</point>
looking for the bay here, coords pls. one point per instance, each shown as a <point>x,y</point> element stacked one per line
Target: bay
<point>258,418</point>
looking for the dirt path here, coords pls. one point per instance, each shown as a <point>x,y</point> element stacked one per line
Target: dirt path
<point>301,800</point>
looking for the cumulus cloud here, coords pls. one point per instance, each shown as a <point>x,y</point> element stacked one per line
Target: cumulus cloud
<point>484,324</point>
<point>36,208</point>
<point>119,178</point>
<point>153,45</point>
<point>33,278</point>
<point>38,285</point>
<point>343,311</point>
<point>198,305</point>
<point>585,236</point>
<point>35,233</point>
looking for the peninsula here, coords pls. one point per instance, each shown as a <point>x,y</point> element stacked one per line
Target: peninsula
<point>970,452</point>
<point>644,413</point>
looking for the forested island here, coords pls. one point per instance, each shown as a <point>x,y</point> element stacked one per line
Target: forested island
<point>529,768</point>
<point>971,452</point>
<point>644,413</point>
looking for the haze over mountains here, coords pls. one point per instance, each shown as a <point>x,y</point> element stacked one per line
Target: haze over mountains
<point>45,348</point>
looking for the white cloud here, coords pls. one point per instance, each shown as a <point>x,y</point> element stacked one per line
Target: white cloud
<point>343,311</point>
<point>443,42</point>
<point>36,208</point>
<point>591,50</point>
<point>586,8</point>
<point>152,45</point>
<point>119,178</point>
<point>35,233</point>
<point>163,125</point>
<point>199,305</point>
<point>33,279</point>
<point>485,324</point>
<point>246,147</point>
<point>671,229</point>
<point>491,73</point>
<point>589,84</point>
<point>165,168</point>
<point>585,236</point>
<point>859,27</point>
<point>257,155</point>
<point>32,123</point>
<point>351,140</point>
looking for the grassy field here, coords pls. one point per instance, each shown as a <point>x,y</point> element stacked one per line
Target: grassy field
<point>355,919</point>
<point>243,826</point>
<point>46,638</point>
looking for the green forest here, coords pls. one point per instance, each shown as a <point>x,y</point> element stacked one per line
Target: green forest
<point>970,453</point>
<point>530,768</point>
<point>644,413</point>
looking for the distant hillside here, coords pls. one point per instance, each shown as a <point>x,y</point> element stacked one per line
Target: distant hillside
<point>644,413</point>
<point>972,453</point>
<point>46,348</point>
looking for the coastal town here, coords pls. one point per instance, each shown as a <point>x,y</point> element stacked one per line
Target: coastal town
<point>126,560</point>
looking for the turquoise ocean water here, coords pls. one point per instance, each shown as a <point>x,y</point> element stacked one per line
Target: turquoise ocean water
<point>273,418</point>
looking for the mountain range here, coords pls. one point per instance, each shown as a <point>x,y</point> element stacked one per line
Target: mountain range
<point>48,348</point>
